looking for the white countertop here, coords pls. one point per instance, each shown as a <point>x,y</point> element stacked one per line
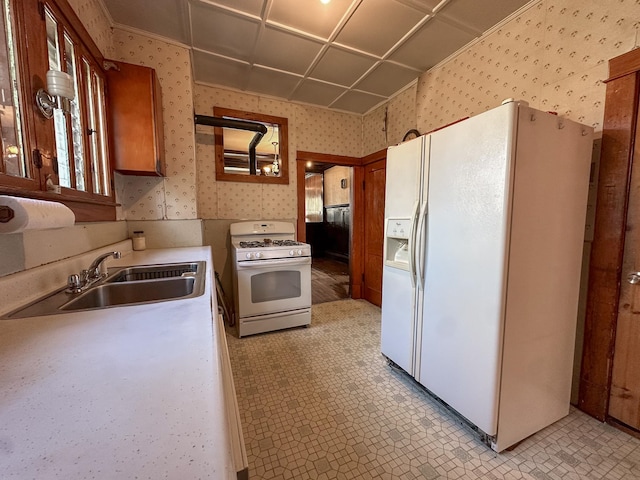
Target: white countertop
<point>118,393</point>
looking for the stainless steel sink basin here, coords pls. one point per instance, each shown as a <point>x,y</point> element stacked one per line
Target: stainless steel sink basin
<point>125,286</point>
<point>126,293</point>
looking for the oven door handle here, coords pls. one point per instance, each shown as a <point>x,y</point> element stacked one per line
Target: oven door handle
<point>276,262</point>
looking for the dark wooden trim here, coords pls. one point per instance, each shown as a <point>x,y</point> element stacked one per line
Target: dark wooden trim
<point>625,428</point>
<point>374,157</point>
<point>86,206</point>
<point>620,117</point>
<point>356,262</point>
<point>342,160</point>
<point>625,64</point>
<point>300,186</point>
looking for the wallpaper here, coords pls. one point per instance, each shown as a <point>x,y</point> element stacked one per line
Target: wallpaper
<point>554,55</point>
<point>400,118</point>
<point>96,20</point>
<point>172,197</point>
<point>310,128</point>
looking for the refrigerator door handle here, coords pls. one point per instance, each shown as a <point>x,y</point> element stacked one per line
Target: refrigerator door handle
<point>420,247</point>
<point>412,244</point>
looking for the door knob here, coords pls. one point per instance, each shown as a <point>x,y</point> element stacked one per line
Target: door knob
<point>633,278</point>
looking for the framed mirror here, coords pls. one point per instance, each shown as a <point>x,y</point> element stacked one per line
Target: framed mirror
<point>235,163</point>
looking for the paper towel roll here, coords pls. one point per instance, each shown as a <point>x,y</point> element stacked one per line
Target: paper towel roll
<point>29,214</point>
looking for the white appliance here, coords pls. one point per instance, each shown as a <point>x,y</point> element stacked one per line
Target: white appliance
<point>272,277</point>
<point>483,311</point>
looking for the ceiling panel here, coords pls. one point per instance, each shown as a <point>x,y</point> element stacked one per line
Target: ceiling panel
<point>357,102</point>
<point>314,17</point>
<point>386,79</point>
<point>310,52</point>
<point>317,93</point>
<point>219,71</point>
<point>480,16</point>
<point>252,7</point>
<point>434,42</point>
<point>341,67</point>
<point>285,51</point>
<point>377,25</point>
<point>167,18</point>
<point>220,32</point>
<point>271,82</point>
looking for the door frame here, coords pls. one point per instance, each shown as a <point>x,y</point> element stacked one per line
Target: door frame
<point>605,269</point>
<point>356,237</point>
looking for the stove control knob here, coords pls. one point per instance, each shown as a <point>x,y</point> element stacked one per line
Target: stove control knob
<point>258,255</point>
<point>299,252</point>
<point>291,253</point>
<point>249,256</point>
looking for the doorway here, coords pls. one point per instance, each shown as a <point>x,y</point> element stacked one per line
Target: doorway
<point>366,226</point>
<point>328,206</point>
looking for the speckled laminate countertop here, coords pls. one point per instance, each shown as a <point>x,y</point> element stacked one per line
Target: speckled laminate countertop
<point>119,393</point>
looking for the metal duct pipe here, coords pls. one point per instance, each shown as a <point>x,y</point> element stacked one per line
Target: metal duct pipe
<point>257,127</point>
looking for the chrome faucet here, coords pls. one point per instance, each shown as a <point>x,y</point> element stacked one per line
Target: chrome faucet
<point>80,282</point>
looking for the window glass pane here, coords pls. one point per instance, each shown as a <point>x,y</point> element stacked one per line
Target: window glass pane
<point>76,118</point>
<point>101,133</point>
<point>93,138</point>
<point>13,158</point>
<point>60,122</point>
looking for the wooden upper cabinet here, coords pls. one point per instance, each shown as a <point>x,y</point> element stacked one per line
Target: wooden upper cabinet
<point>135,115</point>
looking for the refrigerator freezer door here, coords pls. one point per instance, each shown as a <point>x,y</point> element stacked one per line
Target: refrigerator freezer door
<point>398,318</point>
<point>402,200</point>
<point>466,236</point>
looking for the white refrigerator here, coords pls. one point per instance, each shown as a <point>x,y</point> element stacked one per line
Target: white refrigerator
<point>484,228</point>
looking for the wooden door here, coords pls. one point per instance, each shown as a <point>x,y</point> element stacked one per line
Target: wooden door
<point>374,183</point>
<point>610,374</point>
<point>624,397</point>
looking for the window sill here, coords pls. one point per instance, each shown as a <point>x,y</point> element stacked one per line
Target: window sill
<point>85,206</point>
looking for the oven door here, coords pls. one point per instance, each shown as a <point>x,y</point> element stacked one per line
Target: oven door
<point>271,286</point>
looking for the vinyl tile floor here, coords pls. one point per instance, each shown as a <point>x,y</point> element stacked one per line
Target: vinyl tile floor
<point>321,403</point>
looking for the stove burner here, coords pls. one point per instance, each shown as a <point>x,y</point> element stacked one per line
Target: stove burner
<point>267,242</point>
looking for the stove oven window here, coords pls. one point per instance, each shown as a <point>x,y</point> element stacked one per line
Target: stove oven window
<point>278,285</point>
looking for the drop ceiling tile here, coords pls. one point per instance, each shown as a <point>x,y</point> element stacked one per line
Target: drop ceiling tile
<point>219,71</point>
<point>317,93</point>
<point>251,7</point>
<point>377,25</point>
<point>271,82</point>
<point>426,6</point>
<point>285,51</point>
<point>221,32</point>
<point>357,102</point>
<point>341,67</point>
<point>167,18</point>
<point>386,79</point>
<point>315,18</point>
<point>434,42</point>
<point>480,16</point>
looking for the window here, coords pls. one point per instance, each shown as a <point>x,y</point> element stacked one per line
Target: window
<point>268,163</point>
<point>71,149</point>
<point>13,154</point>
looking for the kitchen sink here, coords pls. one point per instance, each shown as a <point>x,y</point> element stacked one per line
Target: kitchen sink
<point>126,293</point>
<point>124,286</point>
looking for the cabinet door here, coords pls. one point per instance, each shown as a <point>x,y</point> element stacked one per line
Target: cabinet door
<point>135,111</point>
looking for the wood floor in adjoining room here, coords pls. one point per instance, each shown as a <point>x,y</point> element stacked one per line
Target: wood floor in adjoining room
<point>329,280</point>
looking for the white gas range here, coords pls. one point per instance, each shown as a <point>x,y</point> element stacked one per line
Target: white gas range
<point>272,277</point>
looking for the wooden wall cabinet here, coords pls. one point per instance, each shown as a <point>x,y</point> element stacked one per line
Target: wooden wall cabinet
<point>135,116</point>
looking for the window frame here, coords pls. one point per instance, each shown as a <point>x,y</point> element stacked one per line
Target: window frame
<point>38,131</point>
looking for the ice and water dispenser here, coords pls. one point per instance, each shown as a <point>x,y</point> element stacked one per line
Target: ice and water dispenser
<point>397,242</point>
